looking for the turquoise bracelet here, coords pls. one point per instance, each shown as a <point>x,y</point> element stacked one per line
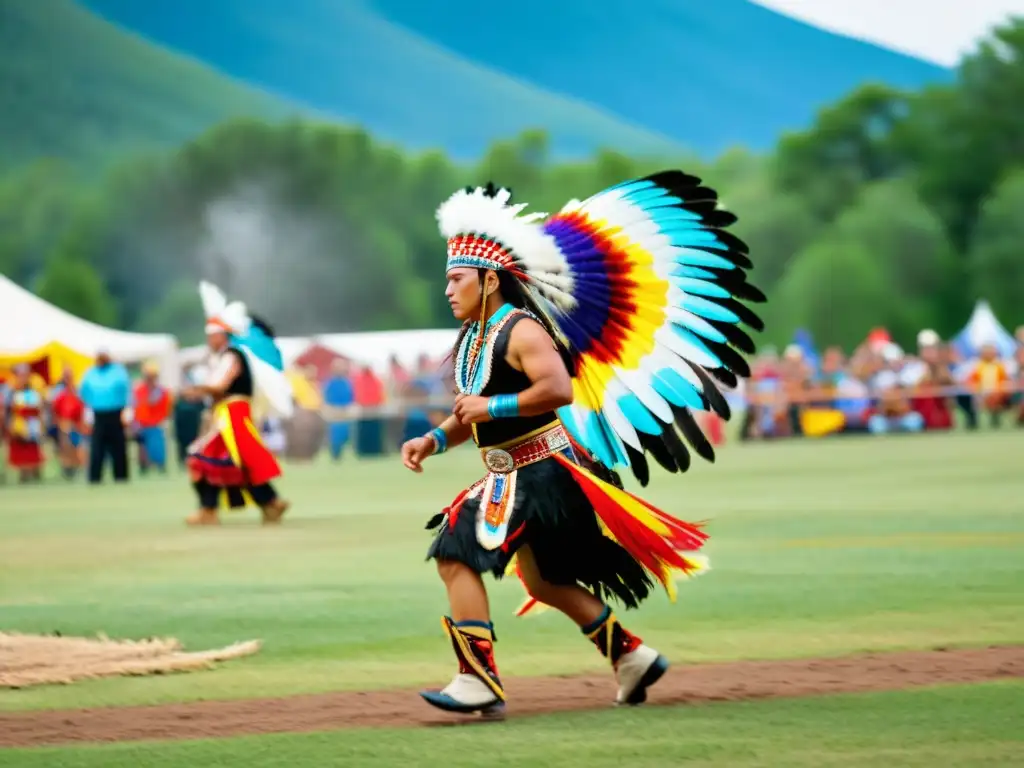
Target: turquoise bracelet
<point>440,440</point>
<point>503,406</point>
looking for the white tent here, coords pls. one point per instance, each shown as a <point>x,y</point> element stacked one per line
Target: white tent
<point>291,347</point>
<point>376,348</point>
<point>984,328</point>
<point>29,325</point>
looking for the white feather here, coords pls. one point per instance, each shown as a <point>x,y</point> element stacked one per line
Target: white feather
<point>639,383</point>
<point>272,384</point>
<point>616,418</point>
<point>695,323</point>
<point>685,349</point>
<point>477,213</point>
<point>213,299</point>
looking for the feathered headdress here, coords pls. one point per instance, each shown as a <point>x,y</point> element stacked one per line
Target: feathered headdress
<point>254,339</point>
<point>222,317</point>
<point>644,286</point>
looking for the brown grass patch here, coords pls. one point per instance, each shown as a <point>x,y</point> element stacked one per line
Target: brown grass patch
<point>28,660</point>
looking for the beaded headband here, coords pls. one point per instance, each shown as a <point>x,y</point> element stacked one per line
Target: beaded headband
<point>478,252</point>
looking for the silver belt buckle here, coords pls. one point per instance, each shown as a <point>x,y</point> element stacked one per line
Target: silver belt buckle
<point>499,461</point>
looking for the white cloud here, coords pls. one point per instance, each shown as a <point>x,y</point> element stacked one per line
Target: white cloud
<point>936,30</point>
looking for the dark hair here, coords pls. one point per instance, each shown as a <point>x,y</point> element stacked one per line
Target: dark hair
<point>262,325</point>
<point>516,294</point>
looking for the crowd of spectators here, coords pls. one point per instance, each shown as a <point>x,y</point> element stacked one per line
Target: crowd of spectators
<point>879,388</point>
<point>346,407</point>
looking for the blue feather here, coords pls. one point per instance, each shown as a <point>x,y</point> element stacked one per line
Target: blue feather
<point>667,217</point>
<point>596,442</point>
<point>638,415</point>
<point>690,338</point>
<point>695,272</point>
<point>628,186</point>
<point>692,257</point>
<point>697,324</point>
<point>604,442</point>
<point>261,345</point>
<point>708,309</point>
<point>638,197</point>
<point>701,287</point>
<point>681,234</point>
<point>677,390</point>
<point>571,425</point>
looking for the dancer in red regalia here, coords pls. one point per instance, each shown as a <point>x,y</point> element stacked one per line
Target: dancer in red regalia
<point>230,461</point>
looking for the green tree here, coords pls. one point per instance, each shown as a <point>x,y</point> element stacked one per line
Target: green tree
<point>850,144</point>
<point>997,259</point>
<point>776,227</point>
<point>75,287</point>
<point>179,313</point>
<point>964,137</point>
<point>910,250</point>
<point>36,204</point>
<point>835,290</point>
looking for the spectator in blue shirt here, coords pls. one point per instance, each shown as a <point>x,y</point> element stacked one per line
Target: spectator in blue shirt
<point>106,390</point>
<point>339,393</point>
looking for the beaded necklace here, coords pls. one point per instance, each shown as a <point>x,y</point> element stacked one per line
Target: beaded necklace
<point>476,352</point>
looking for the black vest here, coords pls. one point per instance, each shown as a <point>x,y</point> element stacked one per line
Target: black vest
<point>242,384</point>
<point>506,380</point>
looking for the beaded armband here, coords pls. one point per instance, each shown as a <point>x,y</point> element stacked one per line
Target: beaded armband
<point>503,406</point>
<point>440,440</point>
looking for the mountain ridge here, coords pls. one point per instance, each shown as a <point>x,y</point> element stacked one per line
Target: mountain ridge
<point>459,73</point>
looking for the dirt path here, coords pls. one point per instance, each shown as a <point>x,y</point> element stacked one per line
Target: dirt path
<point>527,696</point>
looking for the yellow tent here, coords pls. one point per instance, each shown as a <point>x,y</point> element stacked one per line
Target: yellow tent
<point>49,339</point>
<point>48,362</point>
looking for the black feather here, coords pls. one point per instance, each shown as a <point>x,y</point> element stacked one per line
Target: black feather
<point>638,463</point>
<point>725,376</point>
<point>746,315</point>
<point>677,447</point>
<point>735,281</point>
<point>693,434</point>
<point>737,337</point>
<point>674,181</point>
<point>655,445</point>
<point>729,357</point>
<point>719,218</point>
<point>715,399</point>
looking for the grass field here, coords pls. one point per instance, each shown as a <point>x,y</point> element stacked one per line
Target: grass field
<point>817,548</point>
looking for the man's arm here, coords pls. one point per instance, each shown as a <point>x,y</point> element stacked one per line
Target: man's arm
<point>455,432</point>
<point>532,351</point>
<point>226,372</point>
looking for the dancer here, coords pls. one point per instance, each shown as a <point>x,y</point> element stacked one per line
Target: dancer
<point>231,459</point>
<point>587,338</point>
<point>24,426</point>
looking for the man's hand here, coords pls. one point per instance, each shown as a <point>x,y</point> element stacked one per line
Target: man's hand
<point>415,451</point>
<point>471,409</point>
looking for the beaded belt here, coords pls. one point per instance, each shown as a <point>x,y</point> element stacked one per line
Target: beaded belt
<point>533,448</point>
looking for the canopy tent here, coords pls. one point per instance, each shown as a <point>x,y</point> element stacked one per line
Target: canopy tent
<point>291,347</point>
<point>983,328</point>
<point>49,339</point>
<point>319,358</point>
<point>376,349</point>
